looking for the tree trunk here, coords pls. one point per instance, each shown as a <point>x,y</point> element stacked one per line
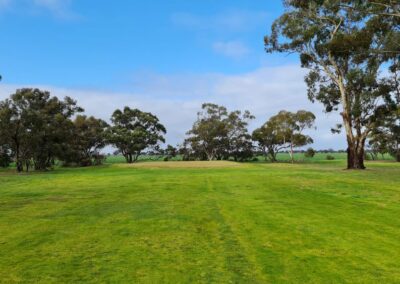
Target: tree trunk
<point>291,153</point>
<point>272,155</point>
<point>135,157</point>
<point>20,166</point>
<point>355,144</point>
<point>210,156</point>
<point>355,156</point>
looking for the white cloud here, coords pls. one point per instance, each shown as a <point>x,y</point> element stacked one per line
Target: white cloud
<point>4,3</point>
<point>233,49</point>
<point>176,99</point>
<point>60,9</point>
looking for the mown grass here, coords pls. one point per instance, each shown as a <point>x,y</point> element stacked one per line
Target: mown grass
<point>282,157</point>
<point>202,222</point>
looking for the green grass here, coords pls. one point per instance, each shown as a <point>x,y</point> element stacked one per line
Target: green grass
<point>282,157</point>
<point>202,222</point>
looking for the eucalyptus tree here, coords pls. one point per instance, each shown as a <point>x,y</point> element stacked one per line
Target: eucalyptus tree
<point>378,143</point>
<point>240,145</point>
<point>386,137</point>
<point>383,8</point>
<point>87,139</point>
<point>34,125</point>
<point>132,131</point>
<point>219,134</point>
<point>344,44</point>
<point>209,134</point>
<point>284,131</point>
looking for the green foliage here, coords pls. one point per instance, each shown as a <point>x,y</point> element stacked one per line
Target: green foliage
<point>345,45</point>
<point>133,131</point>
<point>87,139</point>
<point>385,136</point>
<point>35,126</point>
<point>5,156</point>
<point>218,134</point>
<point>310,153</point>
<point>229,223</point>
<point>170,152</point>
<point>284,131</point>
<point>330,157</point>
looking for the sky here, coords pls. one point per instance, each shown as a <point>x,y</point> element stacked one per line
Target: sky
<point>165,57</point>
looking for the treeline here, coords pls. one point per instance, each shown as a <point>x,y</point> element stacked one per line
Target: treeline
<point>37,130</point>
<point>220,135</point>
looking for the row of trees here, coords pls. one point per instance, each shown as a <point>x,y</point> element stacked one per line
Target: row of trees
<point>36,130</point>
<point>219,134</point>
<point>352,51</point>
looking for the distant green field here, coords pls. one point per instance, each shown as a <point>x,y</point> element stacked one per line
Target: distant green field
<point>283,157</point>
<point>202,222</point>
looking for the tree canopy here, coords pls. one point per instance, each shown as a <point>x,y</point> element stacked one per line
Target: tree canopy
<point>88,137</point>
<point>284,131</point>
<point>34,126</point>
<point>133,131</point>
<point>219,134</point>
<point>345,45</point>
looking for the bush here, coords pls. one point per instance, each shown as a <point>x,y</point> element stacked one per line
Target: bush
<point>330,157</point>
<point>310,153</point>
<point>5,158</point>
<point>98,159</point>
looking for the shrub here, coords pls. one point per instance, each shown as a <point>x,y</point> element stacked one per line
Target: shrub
<point>310,153</point>
<point>330,157</point>
<point>5,158</point>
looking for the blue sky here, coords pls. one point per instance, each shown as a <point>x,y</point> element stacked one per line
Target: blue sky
<point>162,56</point>
<point>76,43</point>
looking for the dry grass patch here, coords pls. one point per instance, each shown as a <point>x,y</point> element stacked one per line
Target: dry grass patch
<point>186,164</point>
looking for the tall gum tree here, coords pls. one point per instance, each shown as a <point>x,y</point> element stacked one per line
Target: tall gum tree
<point>132,131</point>
<point>345,44</point>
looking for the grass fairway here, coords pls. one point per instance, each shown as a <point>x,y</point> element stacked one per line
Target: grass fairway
<point>202,222</point>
